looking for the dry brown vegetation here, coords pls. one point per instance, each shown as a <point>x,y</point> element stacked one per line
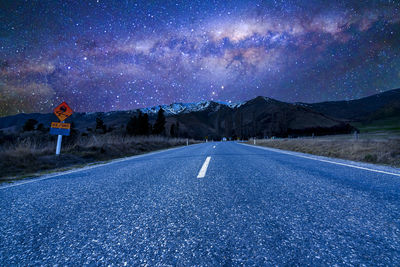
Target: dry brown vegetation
<point>31,154</point>
<point>366,149</point>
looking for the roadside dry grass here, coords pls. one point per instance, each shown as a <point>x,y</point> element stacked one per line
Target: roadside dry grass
<point>366,149</point>
<point>31,155</point>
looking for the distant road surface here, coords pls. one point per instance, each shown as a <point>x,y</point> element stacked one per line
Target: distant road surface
<point>209,204</point>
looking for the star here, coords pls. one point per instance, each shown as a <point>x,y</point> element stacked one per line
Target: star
<point>151,53</point>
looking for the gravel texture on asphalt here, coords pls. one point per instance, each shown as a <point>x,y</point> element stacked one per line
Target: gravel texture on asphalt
<point>253,207</point>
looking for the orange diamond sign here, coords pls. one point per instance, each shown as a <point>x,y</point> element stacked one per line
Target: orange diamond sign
<point>63,111</point>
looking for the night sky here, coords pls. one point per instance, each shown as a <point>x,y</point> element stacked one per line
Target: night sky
<point>103,55</point>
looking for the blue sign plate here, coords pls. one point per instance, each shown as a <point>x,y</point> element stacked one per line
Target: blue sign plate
<point>59,131</point>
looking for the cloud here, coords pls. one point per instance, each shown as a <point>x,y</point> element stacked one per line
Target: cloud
<point>27,67</point>
<point>27,98</point>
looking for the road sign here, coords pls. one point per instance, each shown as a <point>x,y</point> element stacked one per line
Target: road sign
<point>61,125</point>
<point>63,111</point>
<point>58,128</point>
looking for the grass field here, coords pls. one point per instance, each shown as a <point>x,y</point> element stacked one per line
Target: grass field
<point>390,126</point>
<point>379,148</point>
<point>31,155</point>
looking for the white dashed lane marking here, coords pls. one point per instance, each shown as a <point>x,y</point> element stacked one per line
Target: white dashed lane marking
<point>203,169</point>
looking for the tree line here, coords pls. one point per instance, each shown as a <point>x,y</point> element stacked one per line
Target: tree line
<point>140,125</point>
<point>137,125</point>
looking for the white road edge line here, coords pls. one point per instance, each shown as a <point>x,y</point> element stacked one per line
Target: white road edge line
<point>203,169</point>
<point>45,177</point>
<point>323,160</point>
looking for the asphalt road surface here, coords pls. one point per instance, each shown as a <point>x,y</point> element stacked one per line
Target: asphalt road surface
<point>210,204</point>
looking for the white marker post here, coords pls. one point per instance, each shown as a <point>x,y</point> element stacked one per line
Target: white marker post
<point>254,140</point>
<point>187,141</point>
<point>59,140</point>
<point>58,149</point>
<point>356,135</point>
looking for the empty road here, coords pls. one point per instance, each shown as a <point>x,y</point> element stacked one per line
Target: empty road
<point>209,204</point>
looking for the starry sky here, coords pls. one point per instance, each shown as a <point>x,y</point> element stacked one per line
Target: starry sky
<point>103,55</point>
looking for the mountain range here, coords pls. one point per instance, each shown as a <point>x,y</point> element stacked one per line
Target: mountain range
<point>259,117</point>
<point>375,107</point>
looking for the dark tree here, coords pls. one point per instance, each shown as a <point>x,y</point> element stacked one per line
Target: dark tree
<point>74,131</point>
<point>131,127</point>
<point>146,124</point>
<point>138,130</point>
<point>177,129</point>
<point>29,125</point>
<point>172,130</point>
<point>143,124</point>
<point>41,127</point>
<point>100,125</point>
<point>159,125</point>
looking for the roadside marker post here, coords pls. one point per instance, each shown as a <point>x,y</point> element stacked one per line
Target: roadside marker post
<point>356,135</point>
<point>59,140</point>
<point>62,111</point>
<point>187,141</point>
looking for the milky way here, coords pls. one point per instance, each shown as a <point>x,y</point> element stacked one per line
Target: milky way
<point>117,55</point>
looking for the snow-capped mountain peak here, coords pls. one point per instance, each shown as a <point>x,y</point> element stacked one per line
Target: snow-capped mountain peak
<point>177,108</point>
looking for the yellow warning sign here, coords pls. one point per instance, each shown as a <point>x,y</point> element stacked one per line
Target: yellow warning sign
<point>63,111</point>
<point>60,125</point>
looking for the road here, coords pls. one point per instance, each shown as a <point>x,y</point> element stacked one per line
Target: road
<point>252,207</point>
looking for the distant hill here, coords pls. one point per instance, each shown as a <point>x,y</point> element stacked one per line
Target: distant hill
<point>259,117</point>
<point>375,107</point>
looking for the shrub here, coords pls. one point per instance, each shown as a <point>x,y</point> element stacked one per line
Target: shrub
<point>371,158</point>
<point>29,125</point>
